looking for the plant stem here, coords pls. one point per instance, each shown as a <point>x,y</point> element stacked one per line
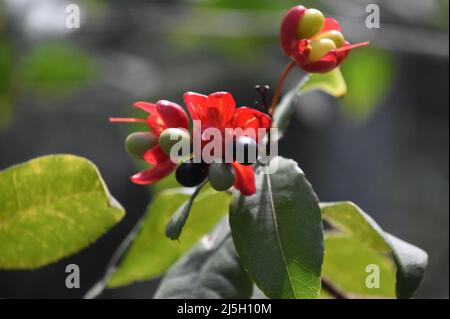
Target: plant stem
<point>100,286</point>
<point>277,93</point>
<point>326,285</point>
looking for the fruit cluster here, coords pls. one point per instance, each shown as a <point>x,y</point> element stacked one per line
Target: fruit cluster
<point>313,41</point>
<point>164,145</point>
<point>190,172</point>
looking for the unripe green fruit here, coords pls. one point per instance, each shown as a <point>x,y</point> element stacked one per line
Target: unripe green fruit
<point>140,142</point>
<point>335,36</point>
<point>221,176</point>
<point>171,136</point>
<point>319,48</point>
<point>311,22</point>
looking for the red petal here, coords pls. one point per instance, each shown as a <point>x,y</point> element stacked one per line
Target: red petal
<point>155,155</point>
<point>349,46</point>
<point>196,104</point>
<point>154,174</point>
<point>288,31</point>
<point>172,114</point>
<point>146,106</point>
<point>220,110</point>
<point>248,118</point>
<point>245,179</point>
<point>325,64</point>
<point>164,114</point>
<point>331,24</point>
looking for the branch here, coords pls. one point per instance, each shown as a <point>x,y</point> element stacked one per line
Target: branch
<point>100,286</point>
<point>326,285</point>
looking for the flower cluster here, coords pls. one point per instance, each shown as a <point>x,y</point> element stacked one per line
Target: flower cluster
<point>314,42</point>
<point>168,124</point>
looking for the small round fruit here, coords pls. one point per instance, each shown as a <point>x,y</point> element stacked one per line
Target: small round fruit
<point>190,174</point>
<point>319,48</point>
<point>171,136</point>
<point>140,142</point>
<point>311,23</point>
<point>245,150</point>
<point>221,176</point>
<point>335,36</point>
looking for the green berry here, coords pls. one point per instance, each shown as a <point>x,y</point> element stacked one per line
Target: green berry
<point>172,136</point>
<point>140,142</point>
<point>221,176</point>
<point>311,23</point>
<point>319,48</point>
<point>335,36</point>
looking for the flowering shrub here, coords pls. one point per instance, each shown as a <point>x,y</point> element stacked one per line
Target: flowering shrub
<point>247,221</point>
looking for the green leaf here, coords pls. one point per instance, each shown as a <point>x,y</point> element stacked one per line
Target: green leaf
<point>332,83</point>
<point>178,220</point>
<point>211,270</point>
<point>164,184</point>
<point>257,293</point>
<point>411,263</point>
<point>50,208</point>
<point>283,112</point>
<point>152,252</point>
<point>345,262</point>
<point>278,232</point>
<point>364,237</point>
<point>369,74</point>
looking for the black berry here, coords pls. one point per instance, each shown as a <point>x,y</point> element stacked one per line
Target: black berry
<point>190,174</point>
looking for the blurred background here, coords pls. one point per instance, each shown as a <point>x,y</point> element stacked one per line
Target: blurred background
<point>384,146</point>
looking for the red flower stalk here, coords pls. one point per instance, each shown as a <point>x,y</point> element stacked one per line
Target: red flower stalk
<point>219,110</point>
<point>162,115</point>
<point>315,43</point>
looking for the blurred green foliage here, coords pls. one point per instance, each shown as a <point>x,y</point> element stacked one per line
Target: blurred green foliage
<point>442,11</point>
<point>56,69</point>
<point>368,73</point>
<point>244,49</point>
<point>6,71</point>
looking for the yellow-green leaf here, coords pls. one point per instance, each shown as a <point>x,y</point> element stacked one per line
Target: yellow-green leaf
<point>50,208</point>
<point>361,242</point>
<point>332,83</point>
<point>152,252</point>
<point>347,264</point>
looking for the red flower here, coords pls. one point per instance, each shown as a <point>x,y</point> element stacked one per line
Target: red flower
<point>162,115</point>
<point>219,110</point>
<point>300,47</point>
